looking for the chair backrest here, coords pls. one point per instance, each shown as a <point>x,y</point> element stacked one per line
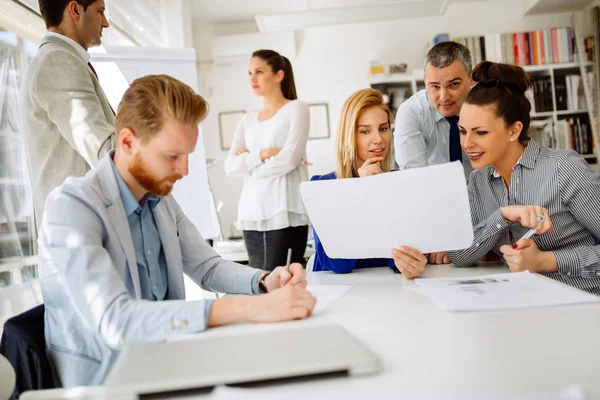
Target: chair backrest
<point>7,378</point>
<point>24,346</point>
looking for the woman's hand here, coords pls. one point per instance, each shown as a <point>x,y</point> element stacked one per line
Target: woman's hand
<point>528,216</point>
<point>372,166</point>
<point>241,151</point>
<point>438,258</point>
<point>269,152</point>
<point>525,255</point>
<point>409,261</point>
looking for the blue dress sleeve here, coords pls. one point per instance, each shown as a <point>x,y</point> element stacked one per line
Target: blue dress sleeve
<point>392,266</point>
<point>324,263</point>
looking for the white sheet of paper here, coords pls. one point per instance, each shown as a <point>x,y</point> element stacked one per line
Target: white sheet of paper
<point>500,292</point>
<point>326,294</point>
<point>425,208</point>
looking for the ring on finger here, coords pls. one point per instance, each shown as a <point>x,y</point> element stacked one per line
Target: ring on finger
<point>540,218</point>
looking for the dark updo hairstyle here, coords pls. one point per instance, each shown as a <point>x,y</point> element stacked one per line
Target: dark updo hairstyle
<point>503,85</point>
<point>280,63</point>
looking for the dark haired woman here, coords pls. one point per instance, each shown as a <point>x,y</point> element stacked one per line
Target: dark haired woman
<point>268,150</point>
<point>519,185</point>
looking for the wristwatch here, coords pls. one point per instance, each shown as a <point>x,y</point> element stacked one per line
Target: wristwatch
<point>262,288</point>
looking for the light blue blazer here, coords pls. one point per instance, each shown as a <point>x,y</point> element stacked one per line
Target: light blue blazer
<point>90,280</point>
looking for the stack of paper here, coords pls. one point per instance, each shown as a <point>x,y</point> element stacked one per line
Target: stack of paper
<point>500,292</point>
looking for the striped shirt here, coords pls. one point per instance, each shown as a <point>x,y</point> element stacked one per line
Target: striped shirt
<point>560,181</point>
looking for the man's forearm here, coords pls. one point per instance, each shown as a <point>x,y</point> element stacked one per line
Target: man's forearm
<point>229,310</point>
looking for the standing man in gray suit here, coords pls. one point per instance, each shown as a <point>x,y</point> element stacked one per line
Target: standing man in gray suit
<point>67,121</point>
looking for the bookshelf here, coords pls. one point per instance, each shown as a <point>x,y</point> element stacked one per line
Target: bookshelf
<point>397,87</point>
<point>560,114</point>
<point>565,94</point>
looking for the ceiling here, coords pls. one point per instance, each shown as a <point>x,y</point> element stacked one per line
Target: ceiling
<point>223,11</point>
<point>235,11</point>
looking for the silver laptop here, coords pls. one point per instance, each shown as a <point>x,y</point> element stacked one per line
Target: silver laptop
<point>317,351</point>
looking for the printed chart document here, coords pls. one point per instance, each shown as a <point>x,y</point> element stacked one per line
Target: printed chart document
<point>425,208</point>
<point>500,292</point>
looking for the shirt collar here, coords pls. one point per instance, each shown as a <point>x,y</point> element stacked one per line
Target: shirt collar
<point>80,50</point>
<point>130,204</point>
<point>527,159</point>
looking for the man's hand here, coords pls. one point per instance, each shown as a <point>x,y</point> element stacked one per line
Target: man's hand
<point>372,166</point>
<point>284,304</point>
<point>525,255</point>
<point>438,258</point>
<point>409,261</point>
<point>528,217</point>
<point>280,277</point>
<point>269,152</point>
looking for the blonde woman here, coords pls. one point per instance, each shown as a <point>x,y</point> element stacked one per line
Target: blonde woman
<point>363,149</point>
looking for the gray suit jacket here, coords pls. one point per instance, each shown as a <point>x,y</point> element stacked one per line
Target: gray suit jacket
<point>66,119</point>
<point>90,280</point>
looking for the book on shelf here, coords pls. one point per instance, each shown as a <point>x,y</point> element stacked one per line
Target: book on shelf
<point>540,47</point>
<point>575,134</point>
<point>542,131</point>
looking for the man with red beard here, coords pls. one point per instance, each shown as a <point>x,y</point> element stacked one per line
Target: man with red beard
<point>114,245</point>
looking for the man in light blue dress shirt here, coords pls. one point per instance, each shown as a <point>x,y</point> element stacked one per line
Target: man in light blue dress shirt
<point>114,246</point>
<point>426,128</point>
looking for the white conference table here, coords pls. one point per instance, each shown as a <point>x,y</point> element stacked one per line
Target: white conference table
<point>428,353</point>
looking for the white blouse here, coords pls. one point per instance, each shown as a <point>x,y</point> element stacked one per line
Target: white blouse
<point>270,197</point>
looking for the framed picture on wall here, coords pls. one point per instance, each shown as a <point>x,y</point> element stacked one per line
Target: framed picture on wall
<point>319,121</point>
<point>228,121</point>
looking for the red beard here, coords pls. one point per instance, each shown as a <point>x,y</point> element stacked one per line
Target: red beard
<point>149,181</point>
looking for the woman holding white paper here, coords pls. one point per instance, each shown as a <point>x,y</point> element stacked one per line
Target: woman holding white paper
<point>519,185</point>
<point>363,144</point>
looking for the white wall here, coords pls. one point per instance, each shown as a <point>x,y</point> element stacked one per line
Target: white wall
<point>332,62</point>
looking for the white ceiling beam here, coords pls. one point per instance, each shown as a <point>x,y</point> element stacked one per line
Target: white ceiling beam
<point>347,15</point>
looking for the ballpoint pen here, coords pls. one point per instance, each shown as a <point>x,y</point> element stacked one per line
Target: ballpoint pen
<point>289,259</point>
<point>532,231</point>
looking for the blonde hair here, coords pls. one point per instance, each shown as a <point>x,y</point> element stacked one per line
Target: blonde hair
<point>152,99</point>
<point>346,131</point>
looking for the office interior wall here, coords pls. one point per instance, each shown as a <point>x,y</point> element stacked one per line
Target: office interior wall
<point>332,62</point>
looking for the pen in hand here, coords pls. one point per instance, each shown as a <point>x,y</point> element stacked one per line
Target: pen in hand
<point>289,259</point>
<point>530,232</point>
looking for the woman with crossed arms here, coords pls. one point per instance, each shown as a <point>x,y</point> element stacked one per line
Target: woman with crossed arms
<point>519,185</point>
<point>268,150</point>
<point>363,149</point>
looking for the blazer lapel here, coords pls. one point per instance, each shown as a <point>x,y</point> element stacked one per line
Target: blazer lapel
<point>116,213</point>
<point>167,230</point>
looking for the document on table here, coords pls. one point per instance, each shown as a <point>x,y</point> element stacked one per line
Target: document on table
<point>326,294</point>
<point>425,208</point>
<point>500,292</point>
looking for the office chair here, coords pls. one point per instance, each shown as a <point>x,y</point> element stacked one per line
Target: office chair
<point>24,346</point>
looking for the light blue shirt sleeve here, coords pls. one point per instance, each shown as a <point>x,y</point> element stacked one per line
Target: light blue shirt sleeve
<point>421,134</point>
<point>409,141</point>
<point>207,305</point>
<point>255,283</point>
